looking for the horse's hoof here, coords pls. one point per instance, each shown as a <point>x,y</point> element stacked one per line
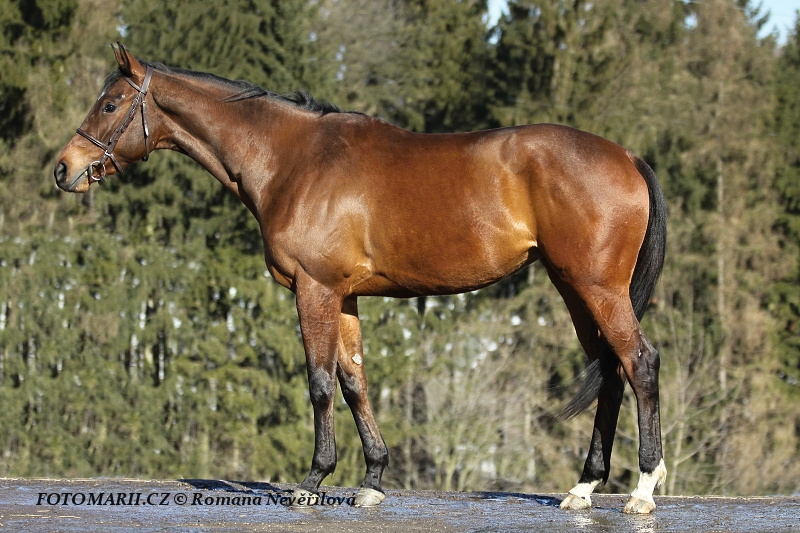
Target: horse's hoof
<point>638,506</point>
<point>368,497</point>
<point>302,498</point>
<point>576,503</point>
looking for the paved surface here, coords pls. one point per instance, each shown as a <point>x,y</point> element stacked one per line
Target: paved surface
<point>117,505</point>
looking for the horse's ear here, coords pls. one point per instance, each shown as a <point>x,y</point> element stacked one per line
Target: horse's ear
<point>128,64</point>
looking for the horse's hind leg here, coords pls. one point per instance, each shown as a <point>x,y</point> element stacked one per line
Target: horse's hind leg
<point>642,371</point>
<point>640,362</point>
<point>598,461</point>
<point>597,467</point>
<point>608,303</point>
<point>354,388</point>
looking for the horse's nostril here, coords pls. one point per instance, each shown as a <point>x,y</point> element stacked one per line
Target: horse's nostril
<point>61,171</point>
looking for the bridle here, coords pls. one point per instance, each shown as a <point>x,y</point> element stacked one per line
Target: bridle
<point>108,148</point>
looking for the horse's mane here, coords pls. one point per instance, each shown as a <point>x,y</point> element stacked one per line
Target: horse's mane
<point>241,90</point>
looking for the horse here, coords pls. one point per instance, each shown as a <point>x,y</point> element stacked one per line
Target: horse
<point>349,205</point>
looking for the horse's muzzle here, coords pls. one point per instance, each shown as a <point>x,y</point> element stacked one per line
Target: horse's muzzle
<point>61,174</point>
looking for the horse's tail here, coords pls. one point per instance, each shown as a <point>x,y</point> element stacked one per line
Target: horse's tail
<point>645,275</point>
<point>651,254</point>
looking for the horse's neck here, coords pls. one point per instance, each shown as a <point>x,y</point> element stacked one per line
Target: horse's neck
<point>229,140</point>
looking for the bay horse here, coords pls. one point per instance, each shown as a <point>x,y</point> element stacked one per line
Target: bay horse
<point>349,205</point>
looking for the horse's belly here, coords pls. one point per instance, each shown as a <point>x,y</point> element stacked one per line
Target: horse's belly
<point>460,267</point>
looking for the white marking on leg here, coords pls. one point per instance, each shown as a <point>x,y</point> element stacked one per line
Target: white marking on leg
<point>648,482</point>
<point>579,496</point>
<point>357,359</point>
<point>584,490</point>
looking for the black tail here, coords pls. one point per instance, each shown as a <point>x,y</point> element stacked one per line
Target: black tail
<point>645,275</point>
<point>651,254</point>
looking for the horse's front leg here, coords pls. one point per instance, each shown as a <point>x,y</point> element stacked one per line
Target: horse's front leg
<point>354,388</point>
<point>319,308</point>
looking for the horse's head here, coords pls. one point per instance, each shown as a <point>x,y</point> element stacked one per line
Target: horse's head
<point>114,133</point>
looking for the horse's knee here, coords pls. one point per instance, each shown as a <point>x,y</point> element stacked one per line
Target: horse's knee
<point>321,388</point>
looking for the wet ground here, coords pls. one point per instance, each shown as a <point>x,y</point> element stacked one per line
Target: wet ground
<point>206,505</point>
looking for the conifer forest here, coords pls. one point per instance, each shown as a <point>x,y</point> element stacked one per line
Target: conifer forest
<point>141,335</point>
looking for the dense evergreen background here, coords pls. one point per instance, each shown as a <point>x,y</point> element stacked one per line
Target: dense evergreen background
<point>140,335</point>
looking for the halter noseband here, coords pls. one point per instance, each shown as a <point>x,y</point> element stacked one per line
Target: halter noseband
<point>108,148</point>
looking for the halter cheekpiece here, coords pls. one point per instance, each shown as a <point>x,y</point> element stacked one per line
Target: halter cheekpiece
<point>108,148</point>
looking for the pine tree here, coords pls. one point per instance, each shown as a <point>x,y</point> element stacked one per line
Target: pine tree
<point>419,64</point>
<point>787,131</point>
<point>723,251</point>
<point>785,301</point>
<point>44,66</point>
<point>206,328</point>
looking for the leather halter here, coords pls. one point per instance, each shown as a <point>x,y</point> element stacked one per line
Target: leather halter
<point>108,148</point>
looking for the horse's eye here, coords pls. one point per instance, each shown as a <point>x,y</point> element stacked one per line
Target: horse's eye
<point>109,108</point>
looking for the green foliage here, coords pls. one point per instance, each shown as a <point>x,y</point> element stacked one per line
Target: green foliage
<point>786,297</point>
<point>140,334</point>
